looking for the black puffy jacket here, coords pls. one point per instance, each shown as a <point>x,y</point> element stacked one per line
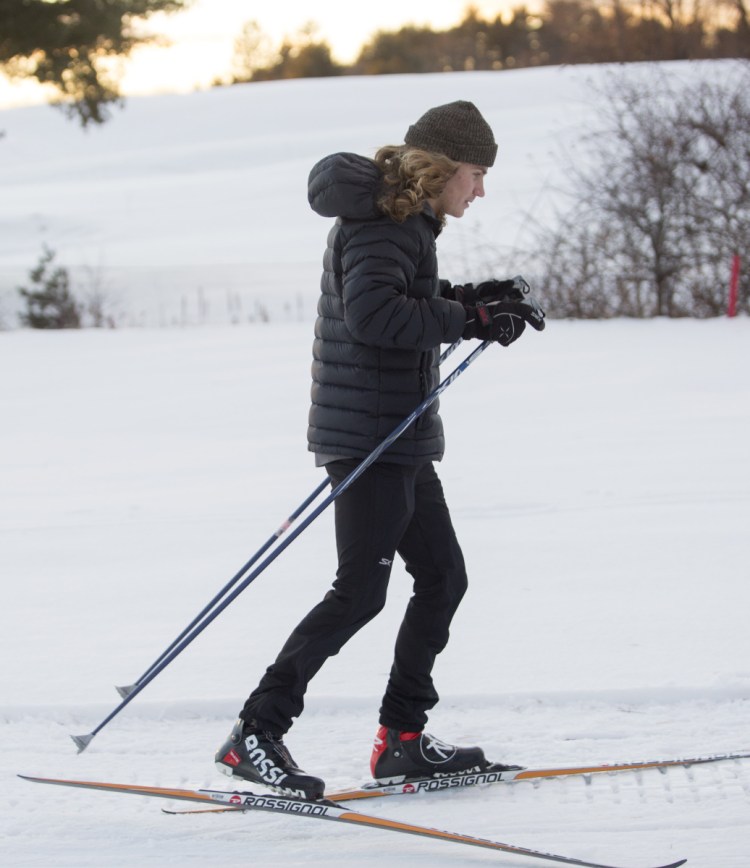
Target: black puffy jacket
<point>381,320</point>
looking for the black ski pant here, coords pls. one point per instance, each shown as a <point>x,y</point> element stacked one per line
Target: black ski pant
<point>389,509</point>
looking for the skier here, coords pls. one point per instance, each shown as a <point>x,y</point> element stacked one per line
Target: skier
<point>382,316</point>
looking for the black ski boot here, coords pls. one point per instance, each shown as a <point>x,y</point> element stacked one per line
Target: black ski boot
<point>402,756</point>
<point>251,754</point>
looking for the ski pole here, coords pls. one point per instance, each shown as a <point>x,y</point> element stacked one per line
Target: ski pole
<point>124,691</point>
<point>83,741</point>
<point>127,689</point>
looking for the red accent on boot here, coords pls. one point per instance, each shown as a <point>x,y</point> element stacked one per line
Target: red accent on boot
<point>231,758</point>
<point>378,747</point>
<point>381,743</point>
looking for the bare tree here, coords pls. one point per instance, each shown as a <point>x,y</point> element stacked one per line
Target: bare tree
<point>662,202</point>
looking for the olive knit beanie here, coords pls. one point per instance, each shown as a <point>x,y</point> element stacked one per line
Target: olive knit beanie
<point>457,130</point>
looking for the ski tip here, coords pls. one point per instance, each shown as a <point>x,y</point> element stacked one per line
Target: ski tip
<point>82,741</point>
<point>35,779</point>
<point>126,690</point>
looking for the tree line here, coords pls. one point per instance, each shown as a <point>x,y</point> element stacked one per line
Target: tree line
<point>563,32</point>
<point>71,45</point>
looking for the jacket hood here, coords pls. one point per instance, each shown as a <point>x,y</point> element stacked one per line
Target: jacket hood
<point>345,185</point>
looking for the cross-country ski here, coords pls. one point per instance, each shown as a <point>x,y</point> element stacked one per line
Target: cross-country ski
<point>320,810</point>
<point>502,775</point>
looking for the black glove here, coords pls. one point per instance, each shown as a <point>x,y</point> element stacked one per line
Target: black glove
<point>489,290</point>
<point>503,320</point>
<point>485,322</point>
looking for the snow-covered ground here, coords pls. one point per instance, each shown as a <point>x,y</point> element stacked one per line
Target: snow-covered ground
<point>598,477</point>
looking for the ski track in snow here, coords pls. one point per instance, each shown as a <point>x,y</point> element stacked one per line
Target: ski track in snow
<point>629,819</point>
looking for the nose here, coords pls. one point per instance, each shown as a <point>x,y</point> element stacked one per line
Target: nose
<point>479,188</point>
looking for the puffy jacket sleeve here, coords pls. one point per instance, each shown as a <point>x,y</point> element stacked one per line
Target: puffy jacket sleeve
<point>381,266</point>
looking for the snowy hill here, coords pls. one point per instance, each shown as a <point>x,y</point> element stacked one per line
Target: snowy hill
<point>193,208</point>
<point>597,475</point>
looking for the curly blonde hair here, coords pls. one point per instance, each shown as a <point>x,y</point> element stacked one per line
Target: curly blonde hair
<point>410,177</point>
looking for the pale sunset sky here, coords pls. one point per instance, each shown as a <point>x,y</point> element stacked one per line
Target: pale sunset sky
<point>203,37</point>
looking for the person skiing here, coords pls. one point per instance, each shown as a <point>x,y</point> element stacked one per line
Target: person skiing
<point>382,315</point>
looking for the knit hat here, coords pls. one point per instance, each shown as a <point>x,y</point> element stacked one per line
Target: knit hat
<point>457,130</point>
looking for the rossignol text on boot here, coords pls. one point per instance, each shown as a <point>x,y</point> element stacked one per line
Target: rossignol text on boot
<point>251,754</point>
